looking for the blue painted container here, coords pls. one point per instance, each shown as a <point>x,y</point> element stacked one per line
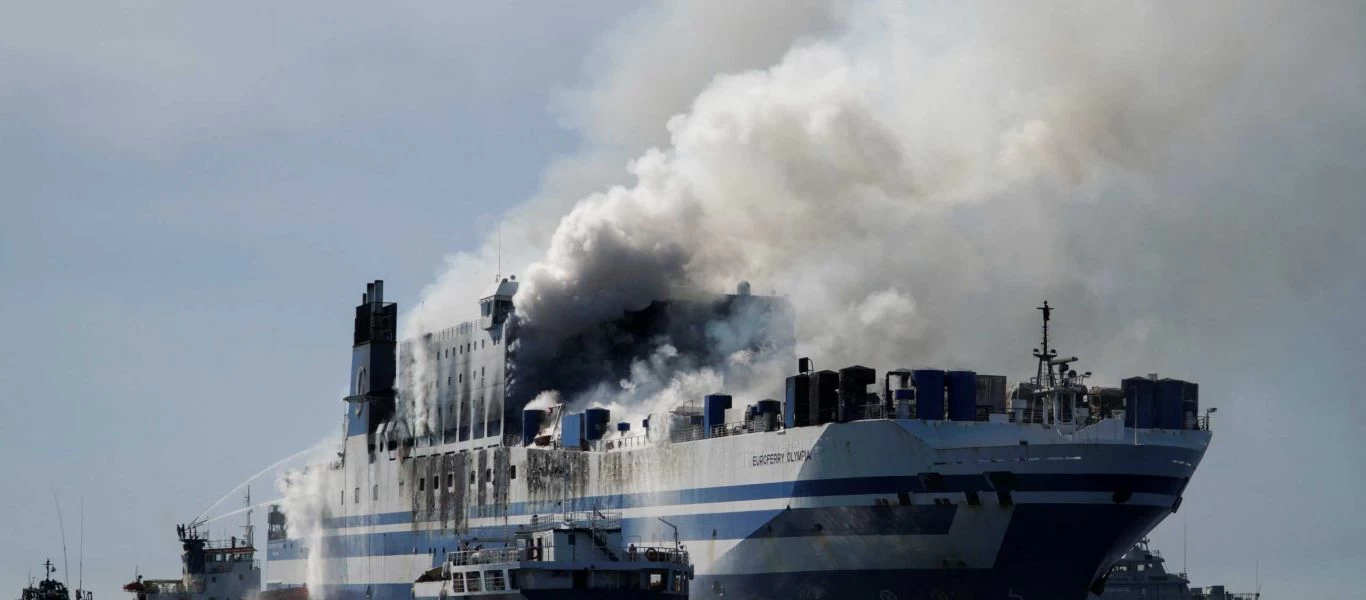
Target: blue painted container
<point>797,410</point>
<point>962,388</point>
<point>571,431</point>
<point>1170,403</point>
<point>595,423</point>
<point>714,411</point>
<point>929,394</point>
<point>1140,402</point>
<point>623,427</point>
<point>825,397</point>
<point>531,424</point>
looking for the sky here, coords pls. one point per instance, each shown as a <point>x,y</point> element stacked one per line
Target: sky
<point>193,197</point>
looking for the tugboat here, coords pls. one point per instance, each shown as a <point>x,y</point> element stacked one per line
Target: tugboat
<point>51,589</point>
<point>210,569</point>
<point>564,557</point>
<point>1141,574</point>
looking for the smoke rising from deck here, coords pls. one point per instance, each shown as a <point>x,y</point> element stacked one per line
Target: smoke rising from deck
<point>916,178</point>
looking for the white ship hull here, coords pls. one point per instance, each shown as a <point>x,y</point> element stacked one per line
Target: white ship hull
<point>866,509</point>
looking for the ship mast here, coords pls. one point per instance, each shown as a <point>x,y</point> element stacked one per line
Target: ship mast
<point>1044,354</point>
<point>249,529</point>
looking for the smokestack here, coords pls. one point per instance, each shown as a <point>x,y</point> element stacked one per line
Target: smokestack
<point>379,291</point>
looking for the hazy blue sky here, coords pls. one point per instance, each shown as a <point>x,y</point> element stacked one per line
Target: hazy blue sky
<point>193,198</point>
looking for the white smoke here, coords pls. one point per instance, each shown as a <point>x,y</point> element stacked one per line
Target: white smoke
<point>306,505</point>
<point>544,400</point>
<point>915,180</point>
<point>416,404</point>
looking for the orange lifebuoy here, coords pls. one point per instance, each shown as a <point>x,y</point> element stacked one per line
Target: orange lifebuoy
<point>651,554</point>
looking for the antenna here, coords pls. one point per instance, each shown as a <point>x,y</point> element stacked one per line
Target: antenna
<point>80,585</point>
<point>1257,574</point>
<point>60,524</point>
<point>499,274</point>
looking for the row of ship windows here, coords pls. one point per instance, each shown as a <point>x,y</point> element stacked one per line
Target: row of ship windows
<point>422,484</point>
<point>460,378</point>
<point>463,348</point>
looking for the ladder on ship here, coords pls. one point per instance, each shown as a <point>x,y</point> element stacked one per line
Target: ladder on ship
<point>599,537</point>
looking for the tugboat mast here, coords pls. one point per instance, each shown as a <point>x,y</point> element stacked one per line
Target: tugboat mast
<point>249,529</point>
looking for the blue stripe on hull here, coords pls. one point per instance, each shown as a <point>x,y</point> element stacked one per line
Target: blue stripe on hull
<point>847,520</point>
<point>1025,482</point>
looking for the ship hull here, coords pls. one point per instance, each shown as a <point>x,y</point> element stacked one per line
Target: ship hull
<point>881,509</point>
<point>1048,551</point>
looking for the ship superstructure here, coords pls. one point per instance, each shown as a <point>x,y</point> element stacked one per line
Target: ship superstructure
<point>210,570</point>
<point>921,483</point>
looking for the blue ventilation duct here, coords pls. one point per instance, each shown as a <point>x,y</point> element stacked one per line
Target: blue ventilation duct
<point>929,394</point>
<point>962,395</point>
<point>714,412</point>
<point>531,425</point>
<point>595,421</point>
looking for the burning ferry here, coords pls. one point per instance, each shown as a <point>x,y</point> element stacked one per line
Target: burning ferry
<point>914,483</point>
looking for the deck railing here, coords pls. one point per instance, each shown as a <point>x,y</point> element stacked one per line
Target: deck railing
<point>489,556</point>
<point>582,519</point>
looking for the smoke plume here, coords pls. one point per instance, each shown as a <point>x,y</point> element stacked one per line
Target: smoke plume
<point>915,179</point>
